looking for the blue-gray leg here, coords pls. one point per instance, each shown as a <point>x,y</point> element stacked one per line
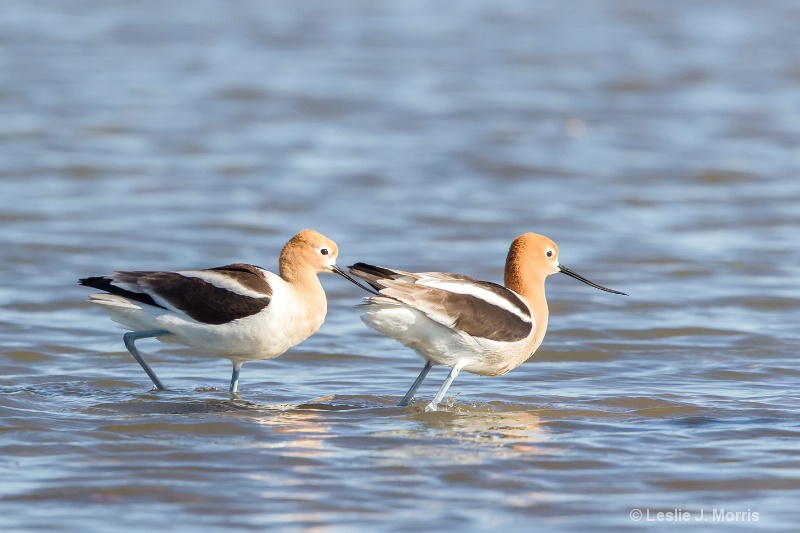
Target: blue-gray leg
<point>237,366</point>
<point>410,394</point>
<point>446,385</point>
<point>130,338</point>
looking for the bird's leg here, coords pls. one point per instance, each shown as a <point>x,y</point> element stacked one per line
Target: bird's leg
<point>130,338</point>
<point>410,394</point>
<point>237,366</point>
<point>446,385</point>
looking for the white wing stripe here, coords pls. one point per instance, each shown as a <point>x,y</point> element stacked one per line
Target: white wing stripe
<point>476,291</point>
<point>222,281</point>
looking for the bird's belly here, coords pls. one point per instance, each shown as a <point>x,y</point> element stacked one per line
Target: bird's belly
<point>441,345</point>
<point>247,339</point>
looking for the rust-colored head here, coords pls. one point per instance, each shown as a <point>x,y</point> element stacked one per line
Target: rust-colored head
<point>531,258</point>
<point>308,251</point>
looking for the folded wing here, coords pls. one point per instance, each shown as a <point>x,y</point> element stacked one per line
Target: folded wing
<point>212,296</point>
<point>478,308</point>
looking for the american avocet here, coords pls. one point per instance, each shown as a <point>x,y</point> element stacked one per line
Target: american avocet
<point>466,324</point>
<point>239,312</point>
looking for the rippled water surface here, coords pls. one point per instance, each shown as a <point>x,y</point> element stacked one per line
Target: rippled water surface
<point>657,143</point>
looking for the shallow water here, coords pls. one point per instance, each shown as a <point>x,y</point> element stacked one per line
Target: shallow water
<point>657,144</point>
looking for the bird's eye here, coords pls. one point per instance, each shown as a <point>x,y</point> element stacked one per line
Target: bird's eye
<point>324,251</point>
<point>549,253</point>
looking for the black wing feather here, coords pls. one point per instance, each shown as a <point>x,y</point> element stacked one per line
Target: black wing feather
<point>105,283</point>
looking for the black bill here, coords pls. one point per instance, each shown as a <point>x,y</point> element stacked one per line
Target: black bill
<point>572,274</point>
<point>351,279</point>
